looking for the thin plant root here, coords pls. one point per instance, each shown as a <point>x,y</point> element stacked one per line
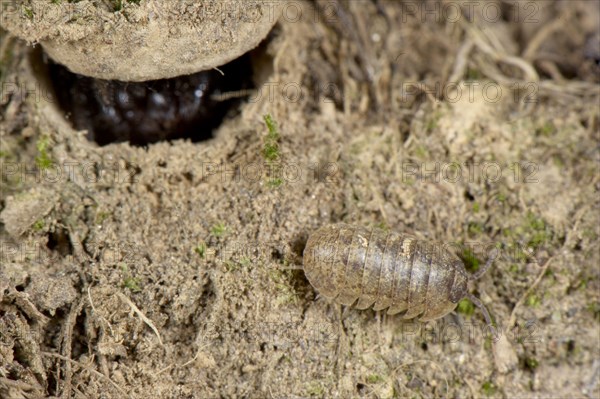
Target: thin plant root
<point>92,371</point>
<point>141,315</point>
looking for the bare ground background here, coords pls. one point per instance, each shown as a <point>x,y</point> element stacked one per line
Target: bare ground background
<point>167,271</point>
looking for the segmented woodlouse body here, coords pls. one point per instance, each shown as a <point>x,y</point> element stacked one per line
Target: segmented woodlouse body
<point>371,267</point>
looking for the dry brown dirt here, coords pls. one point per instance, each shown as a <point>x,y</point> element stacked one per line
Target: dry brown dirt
<point>171,271</point>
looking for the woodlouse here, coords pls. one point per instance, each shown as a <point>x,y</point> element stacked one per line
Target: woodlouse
<point>370,267</point>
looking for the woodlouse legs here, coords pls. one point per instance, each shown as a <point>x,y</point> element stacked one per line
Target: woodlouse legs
<point>486,314</point>
<point>488,264</point>
<point>340,358</point>
<point>474,299</point>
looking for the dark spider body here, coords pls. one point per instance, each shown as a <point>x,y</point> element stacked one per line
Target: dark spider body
<point>147,112</point>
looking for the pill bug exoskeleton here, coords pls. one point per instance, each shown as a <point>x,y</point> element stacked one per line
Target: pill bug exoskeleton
<point>371,267</point>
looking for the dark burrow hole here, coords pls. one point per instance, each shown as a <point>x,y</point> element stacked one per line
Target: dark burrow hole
<point>299,244</point>
<point>277,255</point>
<point>189,106</point>
<point>59,241</point>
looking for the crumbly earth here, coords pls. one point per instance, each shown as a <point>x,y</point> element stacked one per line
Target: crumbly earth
<point>172,271</point>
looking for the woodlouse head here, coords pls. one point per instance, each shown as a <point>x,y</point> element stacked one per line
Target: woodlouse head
<point>460,288</point>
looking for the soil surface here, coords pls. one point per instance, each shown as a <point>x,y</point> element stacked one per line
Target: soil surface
<point>174,270</point>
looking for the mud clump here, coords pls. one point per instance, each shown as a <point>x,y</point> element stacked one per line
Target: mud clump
<point>141,40</point>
